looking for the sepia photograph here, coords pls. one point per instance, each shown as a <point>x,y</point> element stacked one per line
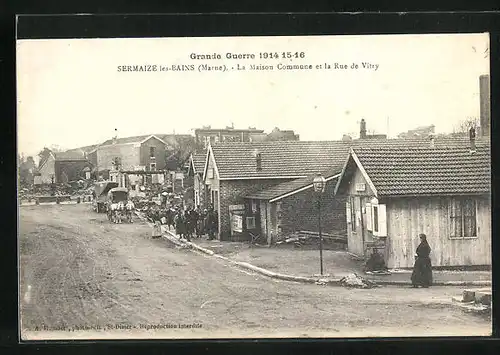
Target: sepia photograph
<point>330,186</point>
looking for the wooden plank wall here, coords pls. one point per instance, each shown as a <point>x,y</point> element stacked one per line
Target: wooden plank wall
<point>355,243</point>
<point>408,217</point>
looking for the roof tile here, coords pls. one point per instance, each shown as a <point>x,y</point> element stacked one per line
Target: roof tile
<point>289,186</point>
<point>303,158</point>
<point>199,163</point>
<point>70,155</point>
<point>423,170</point>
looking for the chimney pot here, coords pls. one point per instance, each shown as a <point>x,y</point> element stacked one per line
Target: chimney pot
<point>432,142</point>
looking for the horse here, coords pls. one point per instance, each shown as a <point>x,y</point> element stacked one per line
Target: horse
<point>112,211</point>
<point>129,208</point>
<point>120,211</point>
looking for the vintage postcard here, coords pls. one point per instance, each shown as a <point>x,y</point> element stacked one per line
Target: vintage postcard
<point>254,187</point>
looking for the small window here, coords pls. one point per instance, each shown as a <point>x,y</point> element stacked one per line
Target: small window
<point>152,166</point>
<point>250,222</point>
<point>152,152</point>
<point>210,173</point>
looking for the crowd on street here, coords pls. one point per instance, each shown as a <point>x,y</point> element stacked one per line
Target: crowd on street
<point>187,224</point>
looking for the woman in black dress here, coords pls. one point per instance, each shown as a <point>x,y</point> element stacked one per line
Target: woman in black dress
<point>422,271</point>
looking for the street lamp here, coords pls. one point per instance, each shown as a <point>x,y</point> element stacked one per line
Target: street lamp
<point>319,183</point>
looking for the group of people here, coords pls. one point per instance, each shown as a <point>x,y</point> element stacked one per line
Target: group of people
<point>189,223</point>
<point>196,223</point>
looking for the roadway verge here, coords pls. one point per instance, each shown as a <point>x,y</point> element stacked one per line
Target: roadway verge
<point>332,281</point>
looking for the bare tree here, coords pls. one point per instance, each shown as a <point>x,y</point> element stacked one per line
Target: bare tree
<point>43,155</point>
<point>464,126</point>
<point>56,148</point>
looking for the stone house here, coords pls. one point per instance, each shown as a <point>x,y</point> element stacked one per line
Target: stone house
<point>62,167</point>
<point>207,135</point>
<point>132,153</point>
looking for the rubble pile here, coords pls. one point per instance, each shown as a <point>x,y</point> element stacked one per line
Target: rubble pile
<point>356,281</point>
<point>308,241</point>
<point>73,188</point>
<point>294,240</point>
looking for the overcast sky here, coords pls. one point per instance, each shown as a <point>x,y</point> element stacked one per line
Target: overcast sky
<point>70,92</point>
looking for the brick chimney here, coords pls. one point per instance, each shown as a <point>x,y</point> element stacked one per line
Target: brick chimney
<point>484,105</point>
<point>431,141</point>
<point>258,159</point>
<point>472,137</point>
<point>362,130</point>
<point>115,136</point>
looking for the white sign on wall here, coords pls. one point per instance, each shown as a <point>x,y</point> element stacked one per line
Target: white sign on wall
<point>360,187</point>
<point>237,223</point>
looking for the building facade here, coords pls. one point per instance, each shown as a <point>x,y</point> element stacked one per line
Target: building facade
<point>235,171</point>
<point>62,167</point>
<point>292,207</point>
<point>132,153</point>
<point>393,195</point>
<point>207,135</point>
<point>282,135</point>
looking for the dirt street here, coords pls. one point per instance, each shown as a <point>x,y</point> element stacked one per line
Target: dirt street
<point>80,272</point>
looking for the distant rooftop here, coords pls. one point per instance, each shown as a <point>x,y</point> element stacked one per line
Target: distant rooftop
<point>229,129</point>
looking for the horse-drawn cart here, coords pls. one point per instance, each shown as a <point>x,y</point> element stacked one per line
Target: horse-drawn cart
<point>101,190</point>
<point>119,207</point>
